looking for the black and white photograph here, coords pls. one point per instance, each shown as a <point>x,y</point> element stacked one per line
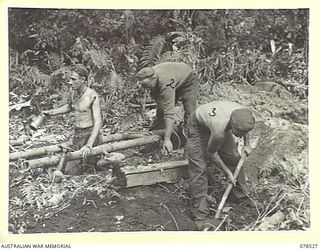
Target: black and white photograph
<point>147,120</point>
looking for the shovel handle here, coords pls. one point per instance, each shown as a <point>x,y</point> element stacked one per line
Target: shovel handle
<point>227,192</point>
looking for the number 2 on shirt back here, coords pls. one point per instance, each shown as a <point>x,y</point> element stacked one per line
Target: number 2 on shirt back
<point>172,84</point>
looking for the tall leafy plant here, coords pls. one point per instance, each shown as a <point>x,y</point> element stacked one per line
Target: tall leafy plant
<point>152,52</point>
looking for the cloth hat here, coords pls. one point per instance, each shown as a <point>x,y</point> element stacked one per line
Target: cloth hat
<point>145,72</point>
<point>80,69</point>
<point>242,119</point>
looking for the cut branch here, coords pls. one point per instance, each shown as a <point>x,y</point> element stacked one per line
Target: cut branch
<point>110,147</point>
<point>34,152</point>
<point>57,148</point>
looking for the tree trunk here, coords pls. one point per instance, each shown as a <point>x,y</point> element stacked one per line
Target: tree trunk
<point>111,147</point>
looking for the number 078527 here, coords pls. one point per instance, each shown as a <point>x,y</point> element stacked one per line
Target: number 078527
<point>308,246</point>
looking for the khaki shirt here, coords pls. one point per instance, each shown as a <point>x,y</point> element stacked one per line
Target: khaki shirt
<point>171,77</point>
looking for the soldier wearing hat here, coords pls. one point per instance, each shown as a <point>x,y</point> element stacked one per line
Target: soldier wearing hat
<point>85,102</point>
<point>169,82</point>
<point>211,129</point>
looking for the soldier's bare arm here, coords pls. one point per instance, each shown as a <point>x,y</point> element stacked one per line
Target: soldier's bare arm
<point>58,111</point>
<point>96,114</point>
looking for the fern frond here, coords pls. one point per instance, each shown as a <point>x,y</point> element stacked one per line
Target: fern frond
<point>152,52</point>
<point>116,83</point>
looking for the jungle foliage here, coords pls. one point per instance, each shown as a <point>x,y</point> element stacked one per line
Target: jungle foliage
<point>225,45</point>
<point>222,46</point>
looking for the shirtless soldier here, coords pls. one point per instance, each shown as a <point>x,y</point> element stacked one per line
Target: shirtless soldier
<point>86,104</point>
<point>211,128</point>
<point>167,83</point>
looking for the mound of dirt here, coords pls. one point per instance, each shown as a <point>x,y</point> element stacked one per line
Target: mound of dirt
<point>277,103</point>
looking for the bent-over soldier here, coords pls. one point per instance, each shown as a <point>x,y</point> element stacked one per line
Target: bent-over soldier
<point>211,128</point>
<point>169,82</point>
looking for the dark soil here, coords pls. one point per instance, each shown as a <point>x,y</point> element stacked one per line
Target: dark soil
<point>151,208</point>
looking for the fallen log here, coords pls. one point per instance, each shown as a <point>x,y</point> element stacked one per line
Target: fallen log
<point>169,172</point>
<point>57,148</point>
<point>104,148</point>
<point>132,135</point>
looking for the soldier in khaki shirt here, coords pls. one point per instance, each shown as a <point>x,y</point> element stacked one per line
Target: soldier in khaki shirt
<point>85,102</point>
<point>210,129</point>
<point>169,82</point>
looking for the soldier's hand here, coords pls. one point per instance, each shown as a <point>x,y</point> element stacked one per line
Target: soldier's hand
<point>85,151</point>
<point>167,146</point>
<point>228,173</point>
<point>231,178</point>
